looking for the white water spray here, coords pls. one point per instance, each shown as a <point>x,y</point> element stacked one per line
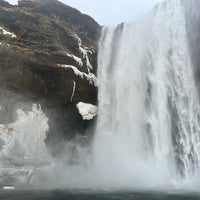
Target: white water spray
<point>23,148</point>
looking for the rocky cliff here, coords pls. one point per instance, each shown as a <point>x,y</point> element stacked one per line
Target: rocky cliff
<point>48,54</point>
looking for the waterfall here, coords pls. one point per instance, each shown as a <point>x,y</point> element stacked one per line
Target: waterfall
<point>149,113</point>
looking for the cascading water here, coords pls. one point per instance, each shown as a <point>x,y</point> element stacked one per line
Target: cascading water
<point>149,113</point>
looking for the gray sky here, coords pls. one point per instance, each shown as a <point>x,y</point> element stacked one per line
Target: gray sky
<point>108,12</point>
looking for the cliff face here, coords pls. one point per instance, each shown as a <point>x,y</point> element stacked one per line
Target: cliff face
<point>48,54</point>
<point>48,38</point>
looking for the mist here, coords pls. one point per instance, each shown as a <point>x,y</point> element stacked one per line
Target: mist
<point>146,136</point>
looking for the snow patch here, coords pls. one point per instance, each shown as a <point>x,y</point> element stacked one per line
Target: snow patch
<point>88,111</point>
<point>77,59</point>
<point>3,44</point>
<point>84,50</point>
<point>8,187</point>
<point>90,76</point>
<point>4,32</point>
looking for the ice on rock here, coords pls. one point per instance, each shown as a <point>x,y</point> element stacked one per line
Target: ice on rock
<point>90,76</point>
<point>4,32</point>
<point>88,111</point>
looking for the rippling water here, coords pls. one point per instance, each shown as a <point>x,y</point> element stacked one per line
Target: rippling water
<point>91,195</point>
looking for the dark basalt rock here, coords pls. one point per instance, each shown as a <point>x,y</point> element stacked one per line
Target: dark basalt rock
<point>5,4</point>
<point>49,35</point>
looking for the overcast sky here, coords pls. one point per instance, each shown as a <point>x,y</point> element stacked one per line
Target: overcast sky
<point>108,12</point>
